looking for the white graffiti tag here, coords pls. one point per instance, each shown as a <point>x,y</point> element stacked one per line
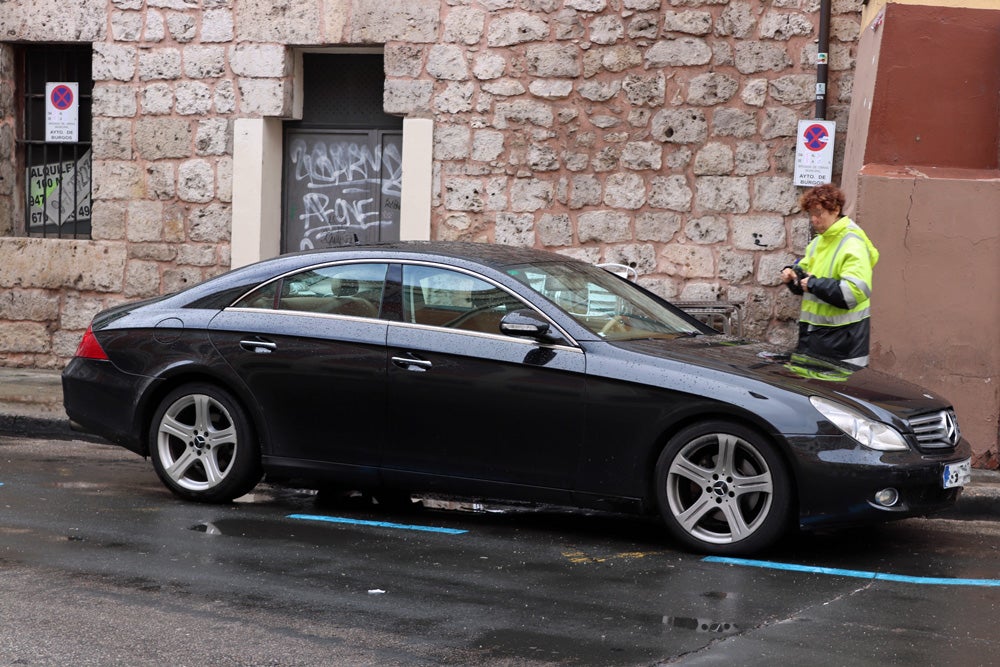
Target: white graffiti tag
<point>338,184</point>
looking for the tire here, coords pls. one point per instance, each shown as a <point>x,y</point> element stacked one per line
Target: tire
<point>723,489</point>
<point>202,445</point>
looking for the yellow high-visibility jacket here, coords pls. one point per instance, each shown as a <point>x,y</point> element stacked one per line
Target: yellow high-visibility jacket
<point>836,308</point>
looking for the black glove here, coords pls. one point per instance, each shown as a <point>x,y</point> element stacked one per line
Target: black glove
<point>795,286</point>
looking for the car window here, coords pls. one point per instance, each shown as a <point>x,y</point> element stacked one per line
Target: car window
<point>341,289</point>
<point>444,298</point>
<point>608,306</point>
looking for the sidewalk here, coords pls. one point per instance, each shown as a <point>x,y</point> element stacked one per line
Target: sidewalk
<point>31,404</point>
<point>31,407</point>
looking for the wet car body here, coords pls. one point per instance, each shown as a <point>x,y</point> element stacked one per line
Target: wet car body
<point>571,415</point>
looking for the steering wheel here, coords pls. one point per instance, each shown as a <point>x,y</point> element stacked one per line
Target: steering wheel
<point>617,324</point>
<point>466,316</point>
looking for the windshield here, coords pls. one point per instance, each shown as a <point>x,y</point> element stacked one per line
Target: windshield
<point>607,305</point>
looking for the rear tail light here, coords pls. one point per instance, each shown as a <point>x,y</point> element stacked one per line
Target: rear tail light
<point>89,348</point>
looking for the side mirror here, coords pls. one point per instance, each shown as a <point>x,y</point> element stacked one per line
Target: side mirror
<point>525,322</point>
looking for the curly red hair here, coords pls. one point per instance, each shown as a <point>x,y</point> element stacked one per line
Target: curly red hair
<point>828,197</point>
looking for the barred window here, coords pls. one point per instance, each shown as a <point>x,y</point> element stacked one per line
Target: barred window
<point>55,138</point>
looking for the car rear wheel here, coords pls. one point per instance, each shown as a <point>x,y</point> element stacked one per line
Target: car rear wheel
<point>202,445</point>
<point>723,489</point>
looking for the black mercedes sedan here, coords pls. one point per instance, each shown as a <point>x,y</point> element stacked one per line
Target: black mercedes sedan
<point>504,373</point>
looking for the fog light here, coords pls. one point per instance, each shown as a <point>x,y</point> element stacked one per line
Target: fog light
<point>887,497</point>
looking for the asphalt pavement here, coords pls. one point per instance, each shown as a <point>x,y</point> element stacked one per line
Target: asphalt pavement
<point>31,407</point>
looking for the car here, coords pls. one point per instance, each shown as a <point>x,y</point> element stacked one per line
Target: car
<point>495,372</point>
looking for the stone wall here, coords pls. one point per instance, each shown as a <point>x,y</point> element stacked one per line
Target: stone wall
<point>658,133</point>
<point>655,133</point>
<point>7,107</point>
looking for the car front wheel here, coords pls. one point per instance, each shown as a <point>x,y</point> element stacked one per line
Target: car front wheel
<point>202,445</point>
<point>723,489</point>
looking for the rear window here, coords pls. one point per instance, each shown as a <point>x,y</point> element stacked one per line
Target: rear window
<point>353,290</point>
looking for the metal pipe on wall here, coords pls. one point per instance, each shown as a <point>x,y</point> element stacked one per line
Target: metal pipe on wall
<point>822,58</point>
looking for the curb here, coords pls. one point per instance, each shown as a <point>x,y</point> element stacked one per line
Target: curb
<point>21,426</point>
<point>975,504</point>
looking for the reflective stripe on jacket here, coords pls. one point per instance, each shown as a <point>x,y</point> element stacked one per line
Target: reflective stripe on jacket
<point>841,259</point>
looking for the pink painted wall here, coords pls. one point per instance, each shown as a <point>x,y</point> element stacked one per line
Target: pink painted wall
<point>937,99</point>
<point>921,175</point>
<point>936,307</point>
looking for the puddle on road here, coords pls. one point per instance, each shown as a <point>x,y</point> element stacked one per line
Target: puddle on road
<point>269,530</point>
<point>264,494</point>
<point>718,595</point>
<point>701,625</point>
<point>458,505</point>
<point>207,528</point>
<point>267,493</point>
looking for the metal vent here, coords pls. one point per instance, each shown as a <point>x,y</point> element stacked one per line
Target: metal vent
<point>936,431</point>
<point>344,90</point>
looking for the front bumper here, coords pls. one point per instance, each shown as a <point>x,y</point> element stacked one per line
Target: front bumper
<point>838,479</point>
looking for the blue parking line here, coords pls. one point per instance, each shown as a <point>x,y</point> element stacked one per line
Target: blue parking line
<point>377,524</point>
<point>858,574</point>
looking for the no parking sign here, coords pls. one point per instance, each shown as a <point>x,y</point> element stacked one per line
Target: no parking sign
<point>814,152</point>
<point>62,112</point>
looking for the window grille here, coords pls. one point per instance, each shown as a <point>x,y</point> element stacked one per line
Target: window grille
<point>56,165</point>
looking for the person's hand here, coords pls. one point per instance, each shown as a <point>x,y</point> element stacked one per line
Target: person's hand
<point>790,276</point>
<point>617,324</point>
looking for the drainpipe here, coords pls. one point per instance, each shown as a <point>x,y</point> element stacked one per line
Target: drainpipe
<point>822,58</point>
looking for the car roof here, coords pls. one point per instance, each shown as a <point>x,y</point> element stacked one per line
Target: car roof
<point>489,254</point>
<point>459,253</point>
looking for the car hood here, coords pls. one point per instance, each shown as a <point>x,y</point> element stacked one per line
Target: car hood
<point>795,372</point>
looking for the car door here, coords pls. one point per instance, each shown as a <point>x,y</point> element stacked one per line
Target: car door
<point>468,406</point>
<point>310,348</point>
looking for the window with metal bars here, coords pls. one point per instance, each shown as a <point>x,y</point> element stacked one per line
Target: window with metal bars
<point>55,138</point>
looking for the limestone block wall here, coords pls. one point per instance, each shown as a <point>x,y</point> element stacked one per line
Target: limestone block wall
<point>658,133</point>
<point>165,90</point>
<point>7,107</point>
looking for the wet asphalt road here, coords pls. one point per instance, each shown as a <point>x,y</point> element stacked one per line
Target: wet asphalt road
<point>100,565</point>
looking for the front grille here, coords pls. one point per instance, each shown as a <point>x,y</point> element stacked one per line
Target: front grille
<point>936,431</point>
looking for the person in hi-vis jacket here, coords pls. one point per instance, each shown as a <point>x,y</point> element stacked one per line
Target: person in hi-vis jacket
<point>835,280</point>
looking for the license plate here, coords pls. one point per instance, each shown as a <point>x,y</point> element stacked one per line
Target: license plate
<point>957,474</point>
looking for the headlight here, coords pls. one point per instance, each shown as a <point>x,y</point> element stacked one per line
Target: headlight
<point>870,433</point>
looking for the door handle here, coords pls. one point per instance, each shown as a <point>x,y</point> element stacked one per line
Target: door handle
<point>258,346</point>
<point>412,363</point>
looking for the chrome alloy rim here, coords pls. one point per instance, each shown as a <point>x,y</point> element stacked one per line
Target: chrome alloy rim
<point>719,488</point>
<point>196,442</point>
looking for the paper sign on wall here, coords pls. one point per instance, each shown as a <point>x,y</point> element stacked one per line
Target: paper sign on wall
<point>62,112</point>
<point>59,192</point>
<point>814,152</point>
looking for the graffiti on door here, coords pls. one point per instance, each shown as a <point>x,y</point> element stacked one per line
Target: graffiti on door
<point>342,188</point>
